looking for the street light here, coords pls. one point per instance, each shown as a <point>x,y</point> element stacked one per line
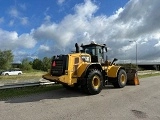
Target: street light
<point>136,53</point>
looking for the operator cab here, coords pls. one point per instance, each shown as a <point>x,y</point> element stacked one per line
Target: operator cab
<point>96,51</point>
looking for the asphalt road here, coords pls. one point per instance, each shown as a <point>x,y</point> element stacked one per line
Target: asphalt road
<point>129,103</point>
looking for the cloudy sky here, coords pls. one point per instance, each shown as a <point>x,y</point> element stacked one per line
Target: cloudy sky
<point>39,28</point>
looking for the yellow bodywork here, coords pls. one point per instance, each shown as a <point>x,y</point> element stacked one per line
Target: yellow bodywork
<point>112,71</point>
<point>76,67</point>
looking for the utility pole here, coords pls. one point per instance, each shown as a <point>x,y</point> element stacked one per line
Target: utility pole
<point>136,54</point>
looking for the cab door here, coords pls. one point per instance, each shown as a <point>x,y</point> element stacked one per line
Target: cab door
<point>99,52</point>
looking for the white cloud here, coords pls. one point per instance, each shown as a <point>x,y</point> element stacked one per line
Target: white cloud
<point>44,48</point>
<point>23,6</point>
<point>11,23</point>
<point>138,20</point>
<point>11,40</point>
<point>19,44</point>
<point>20,54</point>
<point>14,12</point>
<point>67,31</point>
<point>47,19</point>
<point>7,39</point>
<point>60,2</point>
<point>86,9</point>
<point>26,40</point>
<point>17,16</point>
<point>24,20</point>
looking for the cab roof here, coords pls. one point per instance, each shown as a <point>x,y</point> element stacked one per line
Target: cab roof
<point>93,44</point>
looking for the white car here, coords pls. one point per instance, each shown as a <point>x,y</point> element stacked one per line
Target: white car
<point>12,72</point>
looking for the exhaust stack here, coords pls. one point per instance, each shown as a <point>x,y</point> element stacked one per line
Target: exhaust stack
<point>77,48</point>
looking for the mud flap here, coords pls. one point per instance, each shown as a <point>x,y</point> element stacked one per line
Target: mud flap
<point>132,77</point>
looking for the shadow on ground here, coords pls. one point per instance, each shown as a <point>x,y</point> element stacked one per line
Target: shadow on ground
<point>54,94</point>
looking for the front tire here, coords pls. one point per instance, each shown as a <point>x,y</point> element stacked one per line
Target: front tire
<point>121,79</point>
<point>94,82</point>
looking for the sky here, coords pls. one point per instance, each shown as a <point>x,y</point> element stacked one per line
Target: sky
<point>43,28</point>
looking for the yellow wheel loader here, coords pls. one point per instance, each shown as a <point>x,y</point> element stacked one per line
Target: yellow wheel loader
<point>87,69</point>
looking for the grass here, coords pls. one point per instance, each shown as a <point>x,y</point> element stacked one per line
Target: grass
<point>18,92</point>
<point>25,75</point>
<point>148,75</point>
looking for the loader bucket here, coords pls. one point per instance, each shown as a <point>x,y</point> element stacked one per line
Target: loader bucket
<point>132,77</point>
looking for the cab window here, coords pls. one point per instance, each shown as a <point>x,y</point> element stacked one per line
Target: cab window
<point>90,50</point>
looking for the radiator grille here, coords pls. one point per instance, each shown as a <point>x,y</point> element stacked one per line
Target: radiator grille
<point>59,65</point>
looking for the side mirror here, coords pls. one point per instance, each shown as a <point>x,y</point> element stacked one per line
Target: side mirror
<point>114,60</point>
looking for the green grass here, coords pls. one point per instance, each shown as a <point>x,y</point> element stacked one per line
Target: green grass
<point>148,75</point>
<point>18,92</point>
<point>25,75</point>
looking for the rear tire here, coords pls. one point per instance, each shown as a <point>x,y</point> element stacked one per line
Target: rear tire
<point>94,83</point>
<point>121,79</point>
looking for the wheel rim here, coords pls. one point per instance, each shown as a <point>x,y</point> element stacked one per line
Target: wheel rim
<point>96,82</point>
<point>123,79</point>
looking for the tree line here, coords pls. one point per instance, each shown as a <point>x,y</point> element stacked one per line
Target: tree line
<point>6,60</point>
<point>36,64</point>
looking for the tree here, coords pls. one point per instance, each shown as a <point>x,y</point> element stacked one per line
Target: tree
<point>46,63</point>
<point>37,64</point>
<point>6,58</point>
<point>26,65</point>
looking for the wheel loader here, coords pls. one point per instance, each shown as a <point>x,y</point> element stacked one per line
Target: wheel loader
<point>86,69</point>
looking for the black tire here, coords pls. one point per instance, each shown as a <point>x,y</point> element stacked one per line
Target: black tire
<point>94,83</point>
<point>19,73</point>
<point>121,79</point>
